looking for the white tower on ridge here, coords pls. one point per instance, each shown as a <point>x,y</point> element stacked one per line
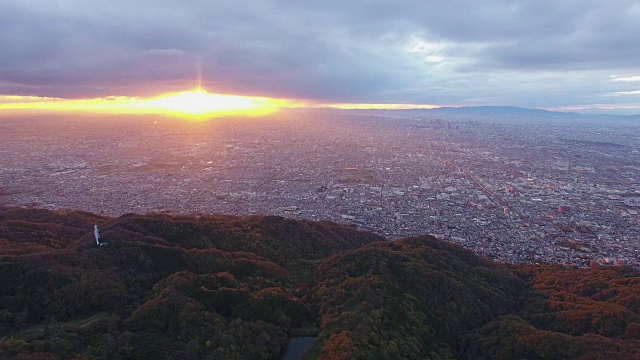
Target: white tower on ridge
<point>96,233</point>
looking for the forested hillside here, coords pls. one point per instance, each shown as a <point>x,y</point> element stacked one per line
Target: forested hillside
<point>222,287</point>
<point>162,287</point>
<point>420,298</point>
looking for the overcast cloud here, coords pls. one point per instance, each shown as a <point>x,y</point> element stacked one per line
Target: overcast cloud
<point>537,53</point>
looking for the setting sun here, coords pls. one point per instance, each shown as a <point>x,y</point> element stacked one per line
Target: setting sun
<point>194,104</point>
<point>201,103</point>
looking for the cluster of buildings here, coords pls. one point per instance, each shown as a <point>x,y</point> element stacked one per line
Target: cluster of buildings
<point>516,191</point>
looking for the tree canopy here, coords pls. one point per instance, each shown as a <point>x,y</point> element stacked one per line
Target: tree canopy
<point>222,287</point>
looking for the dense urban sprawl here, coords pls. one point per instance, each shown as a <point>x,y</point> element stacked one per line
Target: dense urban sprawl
<point>546,190</point>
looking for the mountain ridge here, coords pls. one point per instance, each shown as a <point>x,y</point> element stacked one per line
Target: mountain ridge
<point>215,286</point>
<point>499,111</point>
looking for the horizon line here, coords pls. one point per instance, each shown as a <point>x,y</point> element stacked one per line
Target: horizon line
<point>121,104</point>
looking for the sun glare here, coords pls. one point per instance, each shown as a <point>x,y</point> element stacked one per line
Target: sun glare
<point>195,104</point>
<point>201,103</point>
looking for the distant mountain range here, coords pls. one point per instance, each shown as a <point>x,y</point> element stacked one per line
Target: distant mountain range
<point>500,112</point>
<point>224,287</point>
<point>522,112</point>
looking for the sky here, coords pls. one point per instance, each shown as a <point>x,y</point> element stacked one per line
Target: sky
<point>552,54</point>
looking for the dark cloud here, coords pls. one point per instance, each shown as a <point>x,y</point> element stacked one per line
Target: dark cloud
<point>447,52</point>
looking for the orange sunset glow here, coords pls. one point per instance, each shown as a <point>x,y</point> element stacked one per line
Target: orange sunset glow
<point>195,104</point>
<point>192,104</point>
